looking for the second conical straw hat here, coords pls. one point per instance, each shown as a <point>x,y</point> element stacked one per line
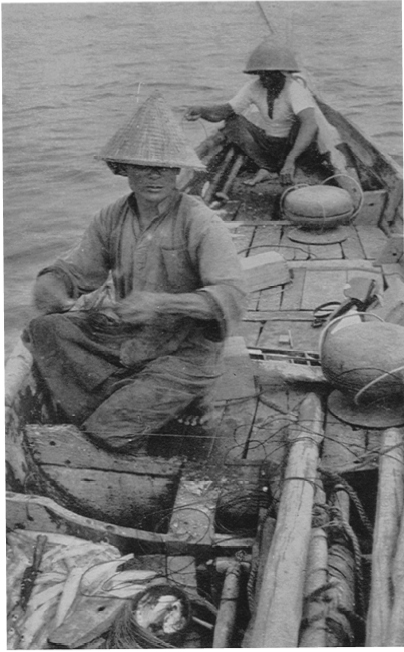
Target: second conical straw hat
<point>153,137</point>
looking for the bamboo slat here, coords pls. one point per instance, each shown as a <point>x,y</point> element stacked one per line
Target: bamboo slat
<point>280,600</point>
<point>388,514</point>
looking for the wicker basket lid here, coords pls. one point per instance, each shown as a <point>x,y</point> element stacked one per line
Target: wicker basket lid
<point>153,137</point>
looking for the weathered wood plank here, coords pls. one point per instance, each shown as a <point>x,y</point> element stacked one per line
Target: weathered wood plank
<point>327,265</point>
<point>270,299</point>
<point>43,514</point>
<point>301,334</point>
<point>124,499</point>
<point>269,435</point>
<point>326,252</point>
<point>372,208</point>
<point>249,329</point>
<point>320,287</point>
<point>232,437</point>
<point>242,239</point>
<point>293,250</point>
<point>265,270</point>
<point>372,240</point>
<point>253,301</point>
<point>392,251</point>
<point>193,515</point>
<point>67,446</point>
<point>267,238</point>
<point>292,294</point>
<point>369,275</point>
<point>279,315</point>
<point>351,247</point>
<point>237,381</point>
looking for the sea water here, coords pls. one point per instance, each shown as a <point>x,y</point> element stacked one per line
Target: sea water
<point>73,71</point>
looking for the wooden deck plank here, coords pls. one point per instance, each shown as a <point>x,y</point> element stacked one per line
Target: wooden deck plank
<point>192,518</point>
<point>372,208</point>
<point>279,315</point>
<point>372,240</point>
<point>253,300</point>
<point>269,434</point>
<point>293,250</point>
<point>270,299</point>
<point>292,294</point>
<point>237,381</point>
<point>368,274</point>
<point>230,443</point>
<point>351,247</point>
<point>302,335</point>
<point>66,445</point>
<point>242,239</point>
<point>250,330</point>
<point>320,287</point>
<point>331,265</point>
<point>267,238</point>
<point>326,252</point>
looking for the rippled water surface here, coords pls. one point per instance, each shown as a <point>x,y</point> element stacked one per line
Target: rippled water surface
<point>72,72</point>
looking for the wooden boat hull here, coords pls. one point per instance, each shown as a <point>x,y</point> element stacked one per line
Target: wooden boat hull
<point>276,497</point>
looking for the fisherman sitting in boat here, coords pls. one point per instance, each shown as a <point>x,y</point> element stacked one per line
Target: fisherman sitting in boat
<point>121,367</point>
<point>287,124</point>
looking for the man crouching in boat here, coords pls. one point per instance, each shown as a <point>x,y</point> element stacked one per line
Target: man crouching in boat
<point>287,120</point>
<point>121,369</point>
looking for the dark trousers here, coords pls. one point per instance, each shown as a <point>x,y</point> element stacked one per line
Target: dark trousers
<point>266,151</point>
<point>118,406</point>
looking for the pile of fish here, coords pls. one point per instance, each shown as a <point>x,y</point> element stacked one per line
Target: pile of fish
<point>65,591</point>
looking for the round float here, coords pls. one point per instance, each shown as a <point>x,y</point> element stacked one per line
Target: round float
<point>364,361</point>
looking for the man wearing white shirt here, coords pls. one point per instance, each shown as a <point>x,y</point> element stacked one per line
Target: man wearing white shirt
<point>287,123</point>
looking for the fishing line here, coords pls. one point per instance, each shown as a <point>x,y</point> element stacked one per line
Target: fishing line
<point>264,16</point>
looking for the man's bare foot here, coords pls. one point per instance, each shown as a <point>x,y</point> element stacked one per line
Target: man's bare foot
<point>262,175</point>
<point>198,413</point>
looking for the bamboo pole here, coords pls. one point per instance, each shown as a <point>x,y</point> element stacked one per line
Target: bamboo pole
<point>388,513</point>
<point>226,616</point>
<point>395,636</point>
<point>280,601</point>
<point>315,632</point>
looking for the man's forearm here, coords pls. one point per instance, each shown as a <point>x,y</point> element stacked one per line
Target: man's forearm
<point>192,304</point>
<point>305,136</point>
<point>213,113</point>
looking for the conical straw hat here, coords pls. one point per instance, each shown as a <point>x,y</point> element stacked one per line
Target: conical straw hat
<point>151,137</point>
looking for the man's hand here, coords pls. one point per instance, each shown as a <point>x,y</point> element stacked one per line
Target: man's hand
<point>139,307</point>
<point>287,172</point>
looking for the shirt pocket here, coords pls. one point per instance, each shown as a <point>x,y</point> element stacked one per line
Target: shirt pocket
<point>180,274</point>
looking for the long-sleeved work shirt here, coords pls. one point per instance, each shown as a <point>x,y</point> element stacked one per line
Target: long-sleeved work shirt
<point>186,248</point>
